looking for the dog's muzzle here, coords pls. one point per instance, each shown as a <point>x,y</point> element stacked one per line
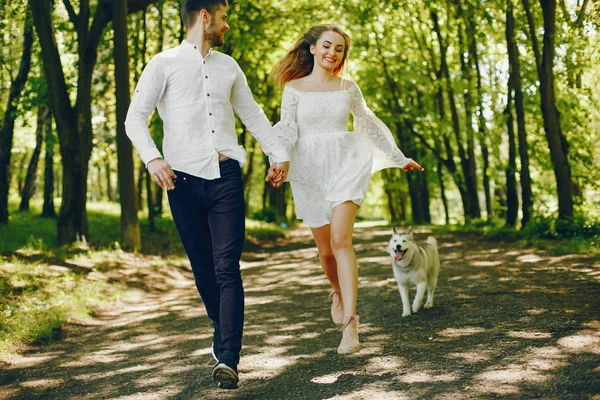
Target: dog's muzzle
<point>399,253</point>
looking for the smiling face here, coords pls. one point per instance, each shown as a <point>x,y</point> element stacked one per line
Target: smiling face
<point>399,245</point>
<point>215,31</point>
<point>330,51</point>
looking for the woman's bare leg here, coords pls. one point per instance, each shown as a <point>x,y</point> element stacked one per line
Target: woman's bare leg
<point>342,229</point>
<point>322,237</point>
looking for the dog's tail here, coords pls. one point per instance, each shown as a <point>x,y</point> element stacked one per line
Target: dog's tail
<point>431,240</point>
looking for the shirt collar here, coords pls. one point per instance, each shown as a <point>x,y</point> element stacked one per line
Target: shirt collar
<point>189,46</point>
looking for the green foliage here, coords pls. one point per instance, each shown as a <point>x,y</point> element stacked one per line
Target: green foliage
<point>549,227</point>
<point>37,300</point>
<point>267,214</point>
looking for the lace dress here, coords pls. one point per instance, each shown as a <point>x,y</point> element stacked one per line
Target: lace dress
<point>328,164</point>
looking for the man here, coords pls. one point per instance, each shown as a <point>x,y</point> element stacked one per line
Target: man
<point>196,90</point>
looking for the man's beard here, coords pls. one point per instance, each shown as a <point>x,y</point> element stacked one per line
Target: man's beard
<point>212,36</point>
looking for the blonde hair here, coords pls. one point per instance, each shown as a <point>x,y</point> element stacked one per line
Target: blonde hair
<point>299,62</point>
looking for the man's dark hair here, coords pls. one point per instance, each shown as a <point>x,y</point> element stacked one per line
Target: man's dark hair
<point>191,8</point>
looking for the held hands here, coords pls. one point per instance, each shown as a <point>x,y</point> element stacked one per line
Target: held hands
<point>162,173</point>
<point>412,165</point>
<point>278,173</point>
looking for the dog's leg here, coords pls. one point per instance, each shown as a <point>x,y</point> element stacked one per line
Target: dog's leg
<point>421,286</point>
<point>403,289</point>
<point>430,291</point>
<point>431,285</point>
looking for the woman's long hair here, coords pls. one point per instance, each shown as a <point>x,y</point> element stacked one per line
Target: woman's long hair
<point>298,62</point>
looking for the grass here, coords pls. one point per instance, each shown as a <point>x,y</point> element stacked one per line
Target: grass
<point>40,292</point>
<point>38,299</point>
<point>25,228</point>
<point>540,233</point>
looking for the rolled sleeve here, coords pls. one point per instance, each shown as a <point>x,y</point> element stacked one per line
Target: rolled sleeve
<point>255,119</point>
<point>147,95</point>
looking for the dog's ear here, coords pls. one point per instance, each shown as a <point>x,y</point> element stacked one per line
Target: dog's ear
<point>394,230</point>
<point>410,230</point>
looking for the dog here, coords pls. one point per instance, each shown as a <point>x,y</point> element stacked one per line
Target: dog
<point>416,264</point>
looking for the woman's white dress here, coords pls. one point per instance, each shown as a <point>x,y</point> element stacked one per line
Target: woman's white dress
<point>330,165</point>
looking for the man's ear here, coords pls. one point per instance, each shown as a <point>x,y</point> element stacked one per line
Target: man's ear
<point>204,17</point>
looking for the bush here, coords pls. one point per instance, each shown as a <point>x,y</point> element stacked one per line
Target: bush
<point>547,227</point>
<point>267,214</point>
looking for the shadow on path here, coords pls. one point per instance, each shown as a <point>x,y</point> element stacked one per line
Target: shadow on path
<point>508,320</point>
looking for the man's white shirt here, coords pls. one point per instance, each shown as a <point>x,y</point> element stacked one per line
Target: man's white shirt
<point>196,98</point>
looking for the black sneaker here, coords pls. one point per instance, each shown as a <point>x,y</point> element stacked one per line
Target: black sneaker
<point>225,372</point>
<point>216,340</point>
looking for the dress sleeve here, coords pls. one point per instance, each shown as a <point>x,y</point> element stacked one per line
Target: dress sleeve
<point>287,128</point>
<point>386,153</point>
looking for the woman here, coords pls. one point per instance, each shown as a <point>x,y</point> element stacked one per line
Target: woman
<point>331,167</point>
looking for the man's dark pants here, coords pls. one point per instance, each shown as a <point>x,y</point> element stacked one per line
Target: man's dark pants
<point>210,218</point>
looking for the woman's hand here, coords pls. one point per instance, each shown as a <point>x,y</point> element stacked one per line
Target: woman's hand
<point>278,173</point>
<point>412,165</point>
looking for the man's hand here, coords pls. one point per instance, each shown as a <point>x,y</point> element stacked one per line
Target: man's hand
<point>278,173</point>
<point>412,165</point>
<point>162,173</point>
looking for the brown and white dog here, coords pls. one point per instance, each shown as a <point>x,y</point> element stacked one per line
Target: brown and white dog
<point>416,264</point>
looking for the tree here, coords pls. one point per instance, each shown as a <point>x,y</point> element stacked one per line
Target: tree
<point>73,122</point>
<point>8,123</point>
<point>31,176</point>
<point>48,210</point>
<point>557,142</point>
<point>515,80</point>
<point>130,226</point>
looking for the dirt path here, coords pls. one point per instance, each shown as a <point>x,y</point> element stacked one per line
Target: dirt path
<point>508,321</point>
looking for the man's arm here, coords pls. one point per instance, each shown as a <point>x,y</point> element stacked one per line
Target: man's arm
<point>255,119</point>
<point>148,93</point>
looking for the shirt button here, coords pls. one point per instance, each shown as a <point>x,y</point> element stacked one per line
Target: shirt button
<point>213,131</point>
<point>206,77</point>
<point>208,94</point>
<point>210,114</point>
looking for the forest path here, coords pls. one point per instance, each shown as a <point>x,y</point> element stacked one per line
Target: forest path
<point>508,320</point>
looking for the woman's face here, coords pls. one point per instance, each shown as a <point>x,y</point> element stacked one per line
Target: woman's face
<point>329,50</point>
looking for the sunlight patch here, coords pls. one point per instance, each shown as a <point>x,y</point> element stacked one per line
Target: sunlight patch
<point>486,263</point>
<point>529,335</point>
<point>529,258</point>
<point>460,332</point>
<point>378,390</point>
<point>424,377</point>
<point>584,342</point>
<point>108,374</point>
<point>472,357</point>
<point>328,379</point>
<point>383,365</point>
<point>43,383</point>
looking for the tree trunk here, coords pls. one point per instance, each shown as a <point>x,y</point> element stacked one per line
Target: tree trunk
<point>482,127</point>
<point>130,226</point>
<point>417,182</point>
<point>48,210</point>
<point>110,193</point>
<point>512,201</point>
<point>443,193</point>
<point>557,142</point>
<point>8,123</point>
<point>466,66</point>
<point>515,78</point>
<point>31,177</point>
